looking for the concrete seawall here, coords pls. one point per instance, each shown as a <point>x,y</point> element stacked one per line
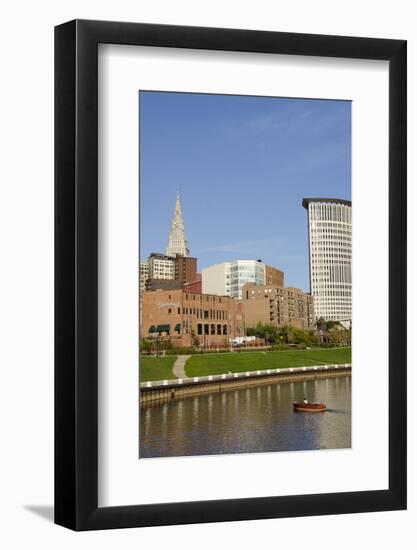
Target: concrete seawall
<point>165,390</point>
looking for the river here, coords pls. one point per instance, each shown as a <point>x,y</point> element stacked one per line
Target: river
<point>249,420</point>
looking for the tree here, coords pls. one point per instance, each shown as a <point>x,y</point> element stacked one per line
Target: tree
<point>145,345</point>
<point>271,334</point>
<point>194,339</point>
<point>285,334</point>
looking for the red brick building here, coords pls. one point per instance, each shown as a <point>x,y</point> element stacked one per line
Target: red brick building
<point>186,318</point>
<point>194,286</point>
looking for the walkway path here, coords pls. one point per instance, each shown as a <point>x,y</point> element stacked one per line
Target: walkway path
<point>178,368</point>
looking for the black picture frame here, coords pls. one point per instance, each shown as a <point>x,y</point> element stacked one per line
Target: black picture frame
<point>76,273</point>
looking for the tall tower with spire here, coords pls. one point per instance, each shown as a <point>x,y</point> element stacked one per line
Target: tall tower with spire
<point>177,240</point>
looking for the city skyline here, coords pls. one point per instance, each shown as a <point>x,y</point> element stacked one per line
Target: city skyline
<point>296,147</point>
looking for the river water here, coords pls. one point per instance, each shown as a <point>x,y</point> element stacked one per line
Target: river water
<point>249,420</point>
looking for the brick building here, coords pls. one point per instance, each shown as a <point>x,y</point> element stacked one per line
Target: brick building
<point>194,286</point>
<point>185,316</point>
<point>185,269</point>
<point>270,304</point>
<point>273,276</point>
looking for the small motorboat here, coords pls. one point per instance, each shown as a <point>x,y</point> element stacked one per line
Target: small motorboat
<point>301,406</point>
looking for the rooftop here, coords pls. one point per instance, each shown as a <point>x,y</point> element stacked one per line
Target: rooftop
<point>306,202</point>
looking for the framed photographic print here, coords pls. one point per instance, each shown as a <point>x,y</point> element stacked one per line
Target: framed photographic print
<point>230,275</point>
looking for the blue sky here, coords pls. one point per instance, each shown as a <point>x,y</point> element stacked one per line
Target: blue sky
<point>242,166</point>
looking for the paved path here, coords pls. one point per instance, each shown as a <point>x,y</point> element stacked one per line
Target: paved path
<point>179,365</point>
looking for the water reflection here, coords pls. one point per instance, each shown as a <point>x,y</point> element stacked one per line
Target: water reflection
<point>256,419</point>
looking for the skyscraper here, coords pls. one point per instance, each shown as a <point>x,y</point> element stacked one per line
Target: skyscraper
<point>330,249</point>
<point>177,240</point>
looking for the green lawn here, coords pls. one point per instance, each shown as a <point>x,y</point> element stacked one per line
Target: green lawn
<point>156,368</point>
<point>203,365</point>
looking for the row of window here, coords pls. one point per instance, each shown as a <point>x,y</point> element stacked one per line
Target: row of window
<point>325,264</point>
<point>219,314</point>
<point>212,329</point>
<point>340,293</point>
<point>191,297</point>
<point>331,227</point>
<point>335,290</point>
<point>331,246</point>
<point>330,212</point>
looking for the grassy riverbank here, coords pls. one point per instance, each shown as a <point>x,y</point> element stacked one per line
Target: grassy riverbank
<point>156,368</point>
<point>240,362</point>
<point>160,368</point>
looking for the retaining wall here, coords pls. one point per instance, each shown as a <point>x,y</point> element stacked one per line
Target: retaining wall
<point>164,390</point>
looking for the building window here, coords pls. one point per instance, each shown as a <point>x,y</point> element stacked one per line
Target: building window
<point>219,329</point>
<point>225,330</point>
<point>169,310</point>
<point>199,329</point>
<point>206,329</point>
<point>213,329</point>
<point>206,314</point>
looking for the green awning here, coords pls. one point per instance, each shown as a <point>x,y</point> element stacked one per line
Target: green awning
<point>178,327</point>
<point>162,328</point>
<point>151,329</point>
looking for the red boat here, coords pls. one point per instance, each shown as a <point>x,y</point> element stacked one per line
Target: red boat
<point>301,406</point>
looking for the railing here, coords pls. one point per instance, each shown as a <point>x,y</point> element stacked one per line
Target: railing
<point>239,375</point>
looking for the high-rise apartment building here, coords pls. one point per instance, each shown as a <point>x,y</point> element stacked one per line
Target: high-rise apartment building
<point>228,278</point>
<point>330,251</point>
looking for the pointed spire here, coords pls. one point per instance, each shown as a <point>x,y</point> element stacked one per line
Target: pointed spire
<point>177,240</point>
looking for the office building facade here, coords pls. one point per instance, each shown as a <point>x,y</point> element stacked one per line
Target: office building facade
<point>330,255</point>
<point>161,266</point>
<point>228,278</point>
<point>167,272</point>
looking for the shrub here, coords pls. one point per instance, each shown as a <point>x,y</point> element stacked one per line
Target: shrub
<point>145,345</point>
<point>280,347</point>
